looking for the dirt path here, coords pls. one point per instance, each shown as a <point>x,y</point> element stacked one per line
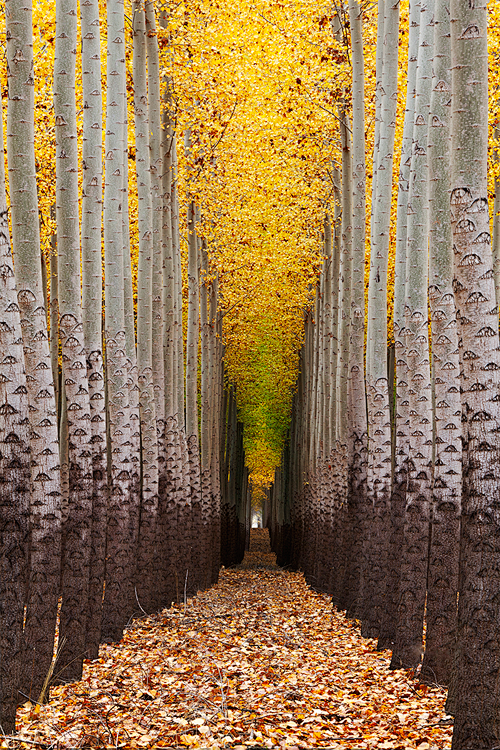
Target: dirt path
<point>257,661</point>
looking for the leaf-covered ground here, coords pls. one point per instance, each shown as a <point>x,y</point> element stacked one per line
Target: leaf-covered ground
<point>258,661</point>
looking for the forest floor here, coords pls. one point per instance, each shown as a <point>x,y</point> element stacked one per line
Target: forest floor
<point>257,661</point>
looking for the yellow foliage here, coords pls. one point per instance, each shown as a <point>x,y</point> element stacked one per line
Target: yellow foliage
<point>257,84</point>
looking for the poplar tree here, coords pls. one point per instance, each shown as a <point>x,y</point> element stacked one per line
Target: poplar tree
<point>119,596</point>
<point>344,339</point>
<point>77,507</point>
<point>146,551</point>
<point>442,574</point>
<point>92,306</point>
<point>45,507</point>
<point>199,487</point>
<point>158,330</point>
<point>217,416</point>
<point>495,244</point>
<point>401,426</point>
<point>176,493</point>
<point>178,333</point>
<point>379,455</point>
<point>357,399</point>
<point>134,440</point>
<point>187,472</point>
<point>407,650</point>
<point>207,404</point>
<point>319,448</point>
<point>15,478</point>
<point>147,547</point>
<point>54,314</point>
<point>329,427</point>
<point>477,662</point>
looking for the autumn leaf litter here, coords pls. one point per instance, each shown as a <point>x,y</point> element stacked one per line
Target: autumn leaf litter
<point>259,660</point>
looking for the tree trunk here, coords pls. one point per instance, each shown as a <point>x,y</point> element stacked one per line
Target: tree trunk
<point>119,595</point>
<point>134,446</point>
<point>155,133</point>
<point>54,312</point>
<point>92,308</point>
<point>45,509</point>
<point>207,407</point>
<point>398,495</point>
<point>189,482</point>
<point>478,659</point>
<point>412,588</point>
<point>15,479</point>
<point>77,506</point>
<point>343,416</point>
<point>357,397</point>
<point>198,490</point>
<point>217,390</point>
<point>495,245</point>
<point>379,456</point>
<point>147,556</point>
<point>442,577</point>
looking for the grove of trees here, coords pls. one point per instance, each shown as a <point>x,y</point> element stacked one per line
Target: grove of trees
<point>213,217</point>
<point>391,504</point>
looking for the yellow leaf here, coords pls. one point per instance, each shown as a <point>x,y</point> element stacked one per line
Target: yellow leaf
<point>145,740</point>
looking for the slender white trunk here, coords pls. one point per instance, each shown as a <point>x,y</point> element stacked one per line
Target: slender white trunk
<point>154,116</point>
<point>477,663</point>
<point>146,550</point>
<point>200,496</point>
<point>15,478</point>
<point>495,245</point>
<point>334,342</point>
<point>119,598</point>
<point>412,589</point>
<point>344,336</point>
<point>77,506</point>
<point>442,576</point>
<point>398,495</point>
<point>54,311</point>
<point>379,457</point>
<point>357,396</point>
<point>216,393</point>
<point>92,305</point>
<point>190,484</point>
<point>134,446</point>
<point>179,357</point>
<point>193,325</point>
<point>45,509</point>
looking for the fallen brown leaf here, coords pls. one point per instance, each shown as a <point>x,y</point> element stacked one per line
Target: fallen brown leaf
<point>257,661</point>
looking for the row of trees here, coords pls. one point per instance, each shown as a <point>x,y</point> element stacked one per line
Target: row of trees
<point>389,500</point>
<point>122,451</point>
<point>138,454</point>
<point>113,483</point>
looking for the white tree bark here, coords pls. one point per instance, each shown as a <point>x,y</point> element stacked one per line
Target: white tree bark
<point>379,456</point>
<point>45,511</point>
<point>92,305</point>
<point>119,598</point>
<point>77,506</point>
<point>442,575</point>
<point>357,395</point>
<point>477,699</point>
<point>15,480</point>
<point>155,132</point>
<point>412,589</point>
<point>147,556</point>
<point>398,494</point>
<point>495,245</point>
